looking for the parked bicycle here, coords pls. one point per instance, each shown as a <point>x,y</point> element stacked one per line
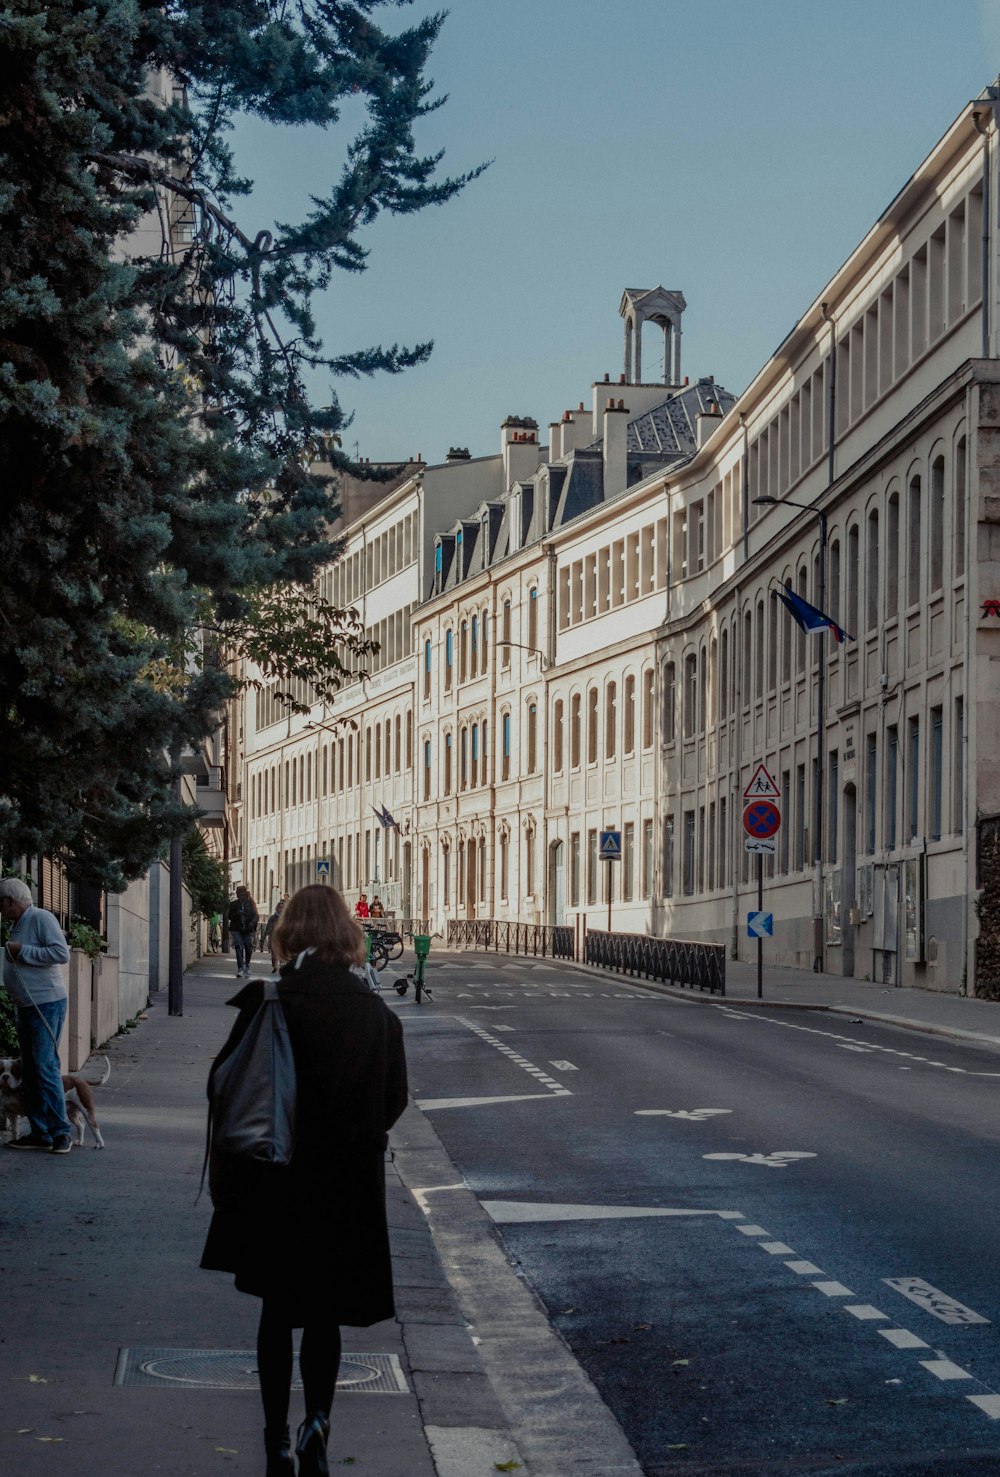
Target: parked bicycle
<point>385,944</point>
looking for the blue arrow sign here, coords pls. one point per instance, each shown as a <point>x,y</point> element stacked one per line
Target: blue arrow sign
<point>611,846</point>
<point>760,925</point>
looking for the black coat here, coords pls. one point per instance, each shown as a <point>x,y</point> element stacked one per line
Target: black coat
<point>314,1233</point>
<point>243,917</point>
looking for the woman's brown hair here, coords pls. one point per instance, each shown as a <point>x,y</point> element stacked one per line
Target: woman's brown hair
<point>316,917</point>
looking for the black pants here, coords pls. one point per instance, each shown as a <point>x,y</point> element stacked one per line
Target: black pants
<point>319,1361</point>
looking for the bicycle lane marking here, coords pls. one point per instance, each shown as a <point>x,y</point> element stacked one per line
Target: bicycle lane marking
<point>554,1089</point>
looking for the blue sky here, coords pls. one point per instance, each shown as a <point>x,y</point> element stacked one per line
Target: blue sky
<point>737,151</point>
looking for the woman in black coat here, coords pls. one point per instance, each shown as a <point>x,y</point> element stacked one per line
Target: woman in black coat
<point>311,1238</point>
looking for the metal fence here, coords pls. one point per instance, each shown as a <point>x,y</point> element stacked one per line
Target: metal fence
<point>409,926</point>
<point>673,961</point>
<point>537,939</point>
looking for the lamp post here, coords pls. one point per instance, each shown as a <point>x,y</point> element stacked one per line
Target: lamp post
<point>531,650</point>
<point>818,930</point>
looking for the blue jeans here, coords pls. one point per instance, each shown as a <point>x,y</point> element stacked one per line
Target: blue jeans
<point>41,1076</point>
<point>243,944</point>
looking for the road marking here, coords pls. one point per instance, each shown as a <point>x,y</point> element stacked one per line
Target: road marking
<point>751,1230</point>
<point>805,1269</point>
<point>860,1045</point>
<point>850,1046</point>
<point>988,1403</point>
<point>556,1088</point>
<point>944,1369</point>
<point>564,1066</point>
<point>777,1159</point>
<point>694,1115</point>
<point>902,1338</point>
<point>833,1289</point>
<point>864,1311</point>
<point>523,1212</point>
<point>776,1248</point>
<point>937,1303</point>
<point>431,1104</point>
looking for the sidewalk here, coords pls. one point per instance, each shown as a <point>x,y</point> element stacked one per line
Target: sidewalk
<point>931,1011</point>
<point>120,1355</point>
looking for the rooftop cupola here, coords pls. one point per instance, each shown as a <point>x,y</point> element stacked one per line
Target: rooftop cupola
<point>641,305</point>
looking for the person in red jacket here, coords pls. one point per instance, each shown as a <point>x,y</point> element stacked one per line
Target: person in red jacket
<point>361,906</point>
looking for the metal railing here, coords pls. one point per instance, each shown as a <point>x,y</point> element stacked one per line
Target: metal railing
<point>536,939</point>
<point>409,926</point>
<point>672,961</point>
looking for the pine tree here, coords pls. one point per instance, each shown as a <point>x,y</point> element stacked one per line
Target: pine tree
<point>156,435</point>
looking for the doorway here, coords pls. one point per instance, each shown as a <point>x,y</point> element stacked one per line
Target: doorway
<point>848,879</point>
<point>471,873</point>
<point>557,884</point>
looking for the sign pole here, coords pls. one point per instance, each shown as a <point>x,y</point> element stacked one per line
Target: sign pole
<point>760,941</point>
<point>608,871</point>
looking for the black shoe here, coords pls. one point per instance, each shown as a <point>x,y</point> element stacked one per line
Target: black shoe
<point>30,1141</point>
<point>278,1449</point>
<point>62,1144</point>
<point>310,1448</point>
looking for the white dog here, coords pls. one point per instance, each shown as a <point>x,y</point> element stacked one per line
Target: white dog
<point>79,1099</point>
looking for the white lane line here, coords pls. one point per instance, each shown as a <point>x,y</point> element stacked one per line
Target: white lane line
<point>805,1269</point>
<point>776,1248</point>
<point>556,1088</point>
<point>751,1230</point>
<point>864,1311</point>
<point>944,1369</point>
<point>523,1212</point>
<point>833,1289</point>
<point>902,1338</point>
<point>432,1104</point>
<point>854,1044</point>
<point>988,1403</point>
<point>933,1301</point>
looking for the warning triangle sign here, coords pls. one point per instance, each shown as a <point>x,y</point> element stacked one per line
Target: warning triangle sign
<point>762,786</point>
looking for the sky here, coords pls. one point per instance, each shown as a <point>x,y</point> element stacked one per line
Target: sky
<point>736,151</point>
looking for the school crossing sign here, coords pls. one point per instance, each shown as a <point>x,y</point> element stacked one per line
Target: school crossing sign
<point>761,816</point>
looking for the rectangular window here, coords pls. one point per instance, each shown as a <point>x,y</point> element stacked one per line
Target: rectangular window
<point>505,758</point>
<point>800,817</point>
<point>687,882</point>
<point>647,859</point>
<point>937,773</point>
<point>957,764</point>
<point>446,876</point>
<point>449,658</point>
<point>592,865</point>
<point>871,791</point>
<point>724,841</point>
<point>447,763</point>
<point>504,864</point>
<point>891,787</point>
<point>574,870</point>
<point>628,861</point>
<point>913,777</point>
<point>668,857</point>
<point>833,806</point>
<point>648,679</point>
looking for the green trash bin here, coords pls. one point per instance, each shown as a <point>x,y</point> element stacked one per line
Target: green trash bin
<point>421,945</point>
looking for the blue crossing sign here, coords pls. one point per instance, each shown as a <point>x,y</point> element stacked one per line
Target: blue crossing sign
<point>611,846</point>
<point>760,925</point>
<point>322,871</point>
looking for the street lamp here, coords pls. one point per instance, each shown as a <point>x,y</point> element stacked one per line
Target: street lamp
<point>818,931</point>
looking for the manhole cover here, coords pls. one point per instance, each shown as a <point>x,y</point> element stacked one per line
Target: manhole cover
<point>236,1369</point>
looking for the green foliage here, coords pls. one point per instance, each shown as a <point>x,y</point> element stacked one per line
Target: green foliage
<point>157,438</point>
<point>81,935</point>
<point>204,877</point>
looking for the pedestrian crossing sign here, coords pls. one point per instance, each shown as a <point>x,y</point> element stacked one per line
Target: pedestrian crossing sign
<point>322,871</point>
<point>611,846</point>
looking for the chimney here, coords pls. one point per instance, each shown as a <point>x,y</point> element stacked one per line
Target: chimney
<point>458,454</point>
<point>615,426</point>
<point>519,448</point>
<point>706,422</point>
<point>555,440</point>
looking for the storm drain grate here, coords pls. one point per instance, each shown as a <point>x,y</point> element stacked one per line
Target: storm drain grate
<point>236,1369</point>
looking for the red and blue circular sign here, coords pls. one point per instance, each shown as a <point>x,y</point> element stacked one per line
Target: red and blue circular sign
<point>761,819</point>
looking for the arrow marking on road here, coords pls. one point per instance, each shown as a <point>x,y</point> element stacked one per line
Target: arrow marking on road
<point>514,1212</point>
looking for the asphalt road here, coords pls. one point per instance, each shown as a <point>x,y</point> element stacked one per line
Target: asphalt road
<point>769,1236</point>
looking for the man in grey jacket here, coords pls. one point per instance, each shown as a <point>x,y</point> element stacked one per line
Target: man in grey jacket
<point>33,962</point>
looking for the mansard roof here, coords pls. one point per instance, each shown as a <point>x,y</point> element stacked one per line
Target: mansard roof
<point>669,429</point>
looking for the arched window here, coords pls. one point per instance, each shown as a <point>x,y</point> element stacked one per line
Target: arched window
<point>449,658</point>
<point>475,755</point>
<point>853,560</point>
<point>891,558</point>
<point>531,718</point>
<point>427,668</point>
<point>690,693</point>
<point>409,739</point>
<point>723,679</point>
<point>669,702</point>
<point>628,716</point>
<point>505,741</point>
<point>378,750</point>
<point>505,635</point>
<point>463,652</point>
<point>648,685</point>
<point>398,730</point>
<point>474,661</point>
<point>484,649</point>
<point>958,512</point>
<point>592,725</point>
<point>913,542</point>
<point>557,735</point>
<point>448,745</point>
<point>574,731</point>
<point>368,753</point>
<point>936,545</point>
<point>427,769</point>
<point>759,652</point>
<point>463,757</point>
<point>610,719</point>
<point>533,617</point>
<point>871,572</point>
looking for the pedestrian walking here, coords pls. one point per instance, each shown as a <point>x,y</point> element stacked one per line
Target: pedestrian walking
<point>269,928</point>
<point>33,960</point>
<point>311,1238</point>
<point>243,921</point>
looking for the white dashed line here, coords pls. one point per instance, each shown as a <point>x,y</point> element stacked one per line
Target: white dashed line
<point>944,1369</point>
<point>805,1269</point>
<point>776,1248</point>
<point>751,1230</point>
<point>540,1076</point>
<point>833,1289</point>
<point>864,1311</point>
<point>988,1403</point>
<point>902,1338</point>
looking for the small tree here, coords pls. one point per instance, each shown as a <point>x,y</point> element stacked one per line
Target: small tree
<point>157,438</point>
<point>204,877</point>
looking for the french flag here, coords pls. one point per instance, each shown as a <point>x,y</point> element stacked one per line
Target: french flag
<point>810,618</point>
